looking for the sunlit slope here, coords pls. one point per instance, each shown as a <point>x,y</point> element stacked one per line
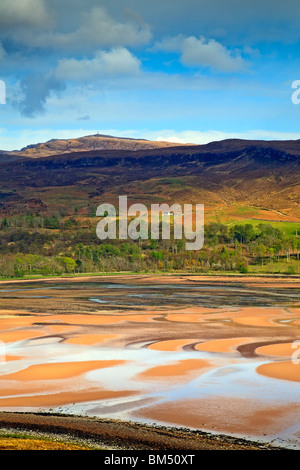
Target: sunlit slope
<point>234,179</point>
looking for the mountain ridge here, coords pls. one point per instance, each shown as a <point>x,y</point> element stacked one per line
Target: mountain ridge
<point>226,176</point>
<point>102,142</point>
<point>88,143</point>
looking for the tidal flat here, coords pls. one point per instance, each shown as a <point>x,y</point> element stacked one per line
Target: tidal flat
<point>212,353</point>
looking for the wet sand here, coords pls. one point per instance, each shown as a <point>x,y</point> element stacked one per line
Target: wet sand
<point>61,398</point>
<point>281,350</point>
<point>211,353</point>
<point>117,435</point>
<point>176,371</point>
<point>222,345</point>
<point>217,411</point>
<point>284,370</point>
<point>90,339</point>
<point>58,370</point>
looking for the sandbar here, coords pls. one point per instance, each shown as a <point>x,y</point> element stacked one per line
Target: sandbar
<point>283,370</point>
<point>174,370</point>
<point>172,344</point>
<point>213,413</point>
<point>90,339</point>
<point>222,345</point>
<point>59,370</point>
<point>280,349</point>
<point>63,398</point>
<point>20,335</point>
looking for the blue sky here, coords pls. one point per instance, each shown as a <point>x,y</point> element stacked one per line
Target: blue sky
<point>186,71</point>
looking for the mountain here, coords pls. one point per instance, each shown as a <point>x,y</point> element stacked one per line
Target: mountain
<point>234,179</point>
<point>88,143</point>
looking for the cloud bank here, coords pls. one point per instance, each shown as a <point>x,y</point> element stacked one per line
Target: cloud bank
<point>198,64</point>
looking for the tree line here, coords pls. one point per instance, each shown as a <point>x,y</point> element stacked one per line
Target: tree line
<point>52,245</point>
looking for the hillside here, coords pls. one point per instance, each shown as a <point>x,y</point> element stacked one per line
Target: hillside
<point>232,178</point>
<point>91,142</point>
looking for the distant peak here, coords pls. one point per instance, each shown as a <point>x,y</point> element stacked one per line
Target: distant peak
<point>91,142</point>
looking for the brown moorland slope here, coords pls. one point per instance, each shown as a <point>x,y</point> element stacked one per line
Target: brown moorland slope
<point>87,143</point>
<point>230,174</point>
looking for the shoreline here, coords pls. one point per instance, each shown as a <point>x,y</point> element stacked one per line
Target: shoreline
<point>124,435</point>
<point>87,276</point>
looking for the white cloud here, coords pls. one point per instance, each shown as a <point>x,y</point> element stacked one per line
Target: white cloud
<point>205,137</point>
<point>116,62</point>
<point>202,52</point>
<point>210,53</point>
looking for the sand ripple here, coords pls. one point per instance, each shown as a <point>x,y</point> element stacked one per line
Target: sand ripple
<point>59,370</point>
<point>175,370</point>
<point>284,370</point>
<point>222,345</point>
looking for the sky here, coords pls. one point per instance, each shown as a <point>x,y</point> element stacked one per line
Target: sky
<point>191,71</point>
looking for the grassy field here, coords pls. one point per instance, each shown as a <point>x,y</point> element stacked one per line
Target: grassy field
<point>276,267</point>
<point>236,214</point>
<point>23,441</point>
<point>291,229</point>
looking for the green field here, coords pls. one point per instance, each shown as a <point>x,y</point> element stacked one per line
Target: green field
<point>291,229</point>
